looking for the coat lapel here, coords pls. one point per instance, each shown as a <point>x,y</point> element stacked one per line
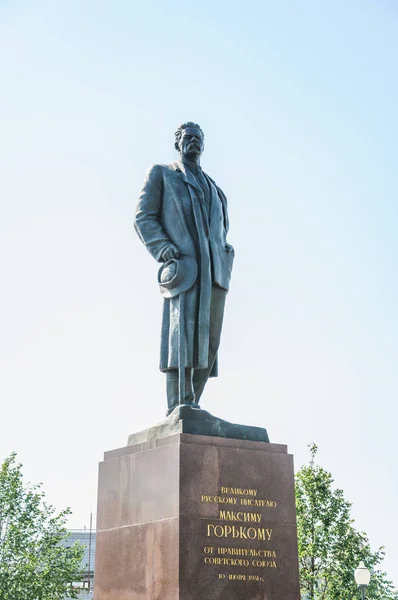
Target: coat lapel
<point>186,175</point>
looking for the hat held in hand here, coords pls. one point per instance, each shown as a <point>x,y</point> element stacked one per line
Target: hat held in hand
<point>177,275</point>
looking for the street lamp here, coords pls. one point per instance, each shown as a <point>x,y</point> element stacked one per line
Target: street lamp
<point>362,578</point>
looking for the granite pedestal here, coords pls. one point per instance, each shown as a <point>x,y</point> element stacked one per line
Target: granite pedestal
<point>193,517</point>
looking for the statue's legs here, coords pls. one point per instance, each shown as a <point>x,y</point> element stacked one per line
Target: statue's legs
<point>172,388</point>
<point>200,376</point>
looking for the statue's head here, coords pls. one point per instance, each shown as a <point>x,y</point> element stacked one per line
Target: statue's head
<point>189,141</point>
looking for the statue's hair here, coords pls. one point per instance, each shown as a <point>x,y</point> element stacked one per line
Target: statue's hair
<point>178,133</point>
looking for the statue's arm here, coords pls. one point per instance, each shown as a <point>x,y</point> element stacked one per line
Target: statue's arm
<point>147,217</point>
<point>224,203</point>
<point>225,209</point>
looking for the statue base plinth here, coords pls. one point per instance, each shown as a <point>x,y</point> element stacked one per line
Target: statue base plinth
<point>188,419</point>
<point>192,517</point>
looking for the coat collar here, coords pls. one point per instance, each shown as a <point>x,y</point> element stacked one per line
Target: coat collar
<point>185,174</point>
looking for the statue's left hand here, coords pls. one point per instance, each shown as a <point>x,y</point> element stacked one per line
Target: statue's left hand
<point>229,248</point>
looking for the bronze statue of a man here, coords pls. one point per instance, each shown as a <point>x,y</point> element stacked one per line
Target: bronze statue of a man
<point>182,219</point>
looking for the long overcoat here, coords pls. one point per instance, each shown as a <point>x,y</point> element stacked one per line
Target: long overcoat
<point>170,210</point>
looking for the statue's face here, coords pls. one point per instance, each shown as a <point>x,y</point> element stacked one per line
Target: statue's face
<point>191,144</point>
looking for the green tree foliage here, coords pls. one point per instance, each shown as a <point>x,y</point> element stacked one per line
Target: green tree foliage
<point>330,548</point>
<point>35,563</point>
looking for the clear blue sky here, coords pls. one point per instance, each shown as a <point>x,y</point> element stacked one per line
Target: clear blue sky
<point>298,104</point>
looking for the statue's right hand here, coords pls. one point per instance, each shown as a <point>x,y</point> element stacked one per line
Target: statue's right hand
<point>170,252</point>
